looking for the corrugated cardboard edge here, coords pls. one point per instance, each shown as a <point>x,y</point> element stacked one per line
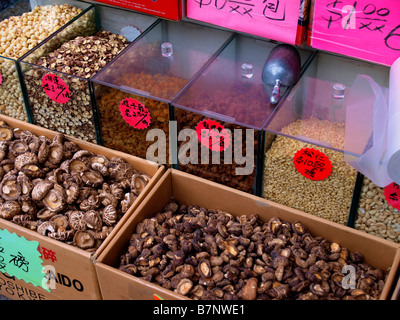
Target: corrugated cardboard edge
<point>331,227</point>
<point>151,168</point>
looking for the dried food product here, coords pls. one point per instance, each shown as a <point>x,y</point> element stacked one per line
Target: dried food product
<point>375,215</point>
<point>76,60</point>
<point>329,198</point>
<point>207,254</point>
<point>225,170</point>
<point>130,138</point>
<point>72,199</point>
<point>21,34</point>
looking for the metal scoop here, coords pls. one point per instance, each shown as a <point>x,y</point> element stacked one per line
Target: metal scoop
<point>282,68</point>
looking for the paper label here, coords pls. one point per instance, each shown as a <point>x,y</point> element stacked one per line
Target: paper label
<point>392,195</point>
<point>20,258</point>
<point>312,164</point>
<point>55,88</point>
<point>273,19</point>
<point>213,135</point>
<point>365,29</point>
<point>135,113</point>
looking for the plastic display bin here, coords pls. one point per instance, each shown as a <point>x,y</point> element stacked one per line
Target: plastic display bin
<point>17,43</point>
<point>313,116</point>
<point>230,95</point>
<point>57,74</point>
<point>133,94</point>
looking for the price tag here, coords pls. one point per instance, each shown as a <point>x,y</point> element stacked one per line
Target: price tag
<point>213,135</point>
<point>392,195</point>
<point>55,88</point>
<point>135,113</point>
<point>365,29</point>
<point>312,164</point>
<point>1,79</point>
<point>273,19</point>
<point>20,258</point>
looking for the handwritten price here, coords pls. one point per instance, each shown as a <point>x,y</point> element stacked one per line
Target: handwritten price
<point>366,17</point>
<point>312,164</point>
<point>135,113</point>
<point>271,9</point>
<point>55,88</point>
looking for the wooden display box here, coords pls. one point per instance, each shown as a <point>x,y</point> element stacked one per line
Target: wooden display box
<point>71,267</point>
<point>188,189</point>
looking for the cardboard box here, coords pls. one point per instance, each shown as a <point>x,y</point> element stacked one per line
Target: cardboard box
<point>364,29</point>
<point>166,9</point>
<point>284,21</point>
<point>188,189</point>
<point>70,267</point>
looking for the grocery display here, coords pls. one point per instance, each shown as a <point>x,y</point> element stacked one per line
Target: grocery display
<point>146,157</point>
<point>26,27</point>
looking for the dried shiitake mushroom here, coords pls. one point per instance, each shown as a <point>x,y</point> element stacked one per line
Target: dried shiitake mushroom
<point>61,191</point>
<point>210,254</point>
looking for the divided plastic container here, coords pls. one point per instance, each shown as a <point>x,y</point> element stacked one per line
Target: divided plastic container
<point>230,103</point>
<point>57,74</point>
<point>312,118</point>
<point>23,26</point>
<point>133,94</point>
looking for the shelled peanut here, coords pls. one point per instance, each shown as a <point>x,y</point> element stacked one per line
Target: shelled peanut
<point>21,34</point>
<point>329,198</point>
<point>209,254</point>
<point>375,215</point>
<point>78,59</point>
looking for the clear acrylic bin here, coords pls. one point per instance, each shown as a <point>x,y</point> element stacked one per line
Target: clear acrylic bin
<point>23,26</point>
<point>231,93</point>
<point>57,74</point>
<point>133,94</point>
<point>313,117</point>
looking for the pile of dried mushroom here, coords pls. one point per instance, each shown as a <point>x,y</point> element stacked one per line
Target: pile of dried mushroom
<point>210,254</point>
<point>61,191</point>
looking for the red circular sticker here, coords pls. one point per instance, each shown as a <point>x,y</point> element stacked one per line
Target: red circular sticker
<point>312,164</point>
<point>56,89</point>
<point>392,195</point>
<point>213,135</point>
<point>135,113</point>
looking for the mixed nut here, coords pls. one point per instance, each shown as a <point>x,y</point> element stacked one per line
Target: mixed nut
<point>61,191</point>
<point>76,60</point>
<point>207,254</point>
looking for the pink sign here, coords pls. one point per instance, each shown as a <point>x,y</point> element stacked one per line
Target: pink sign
<point>365,29</point>
<point>56,89</point>
<point>135,113</point>
<point>1,79</point>
<point>273,19</point>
